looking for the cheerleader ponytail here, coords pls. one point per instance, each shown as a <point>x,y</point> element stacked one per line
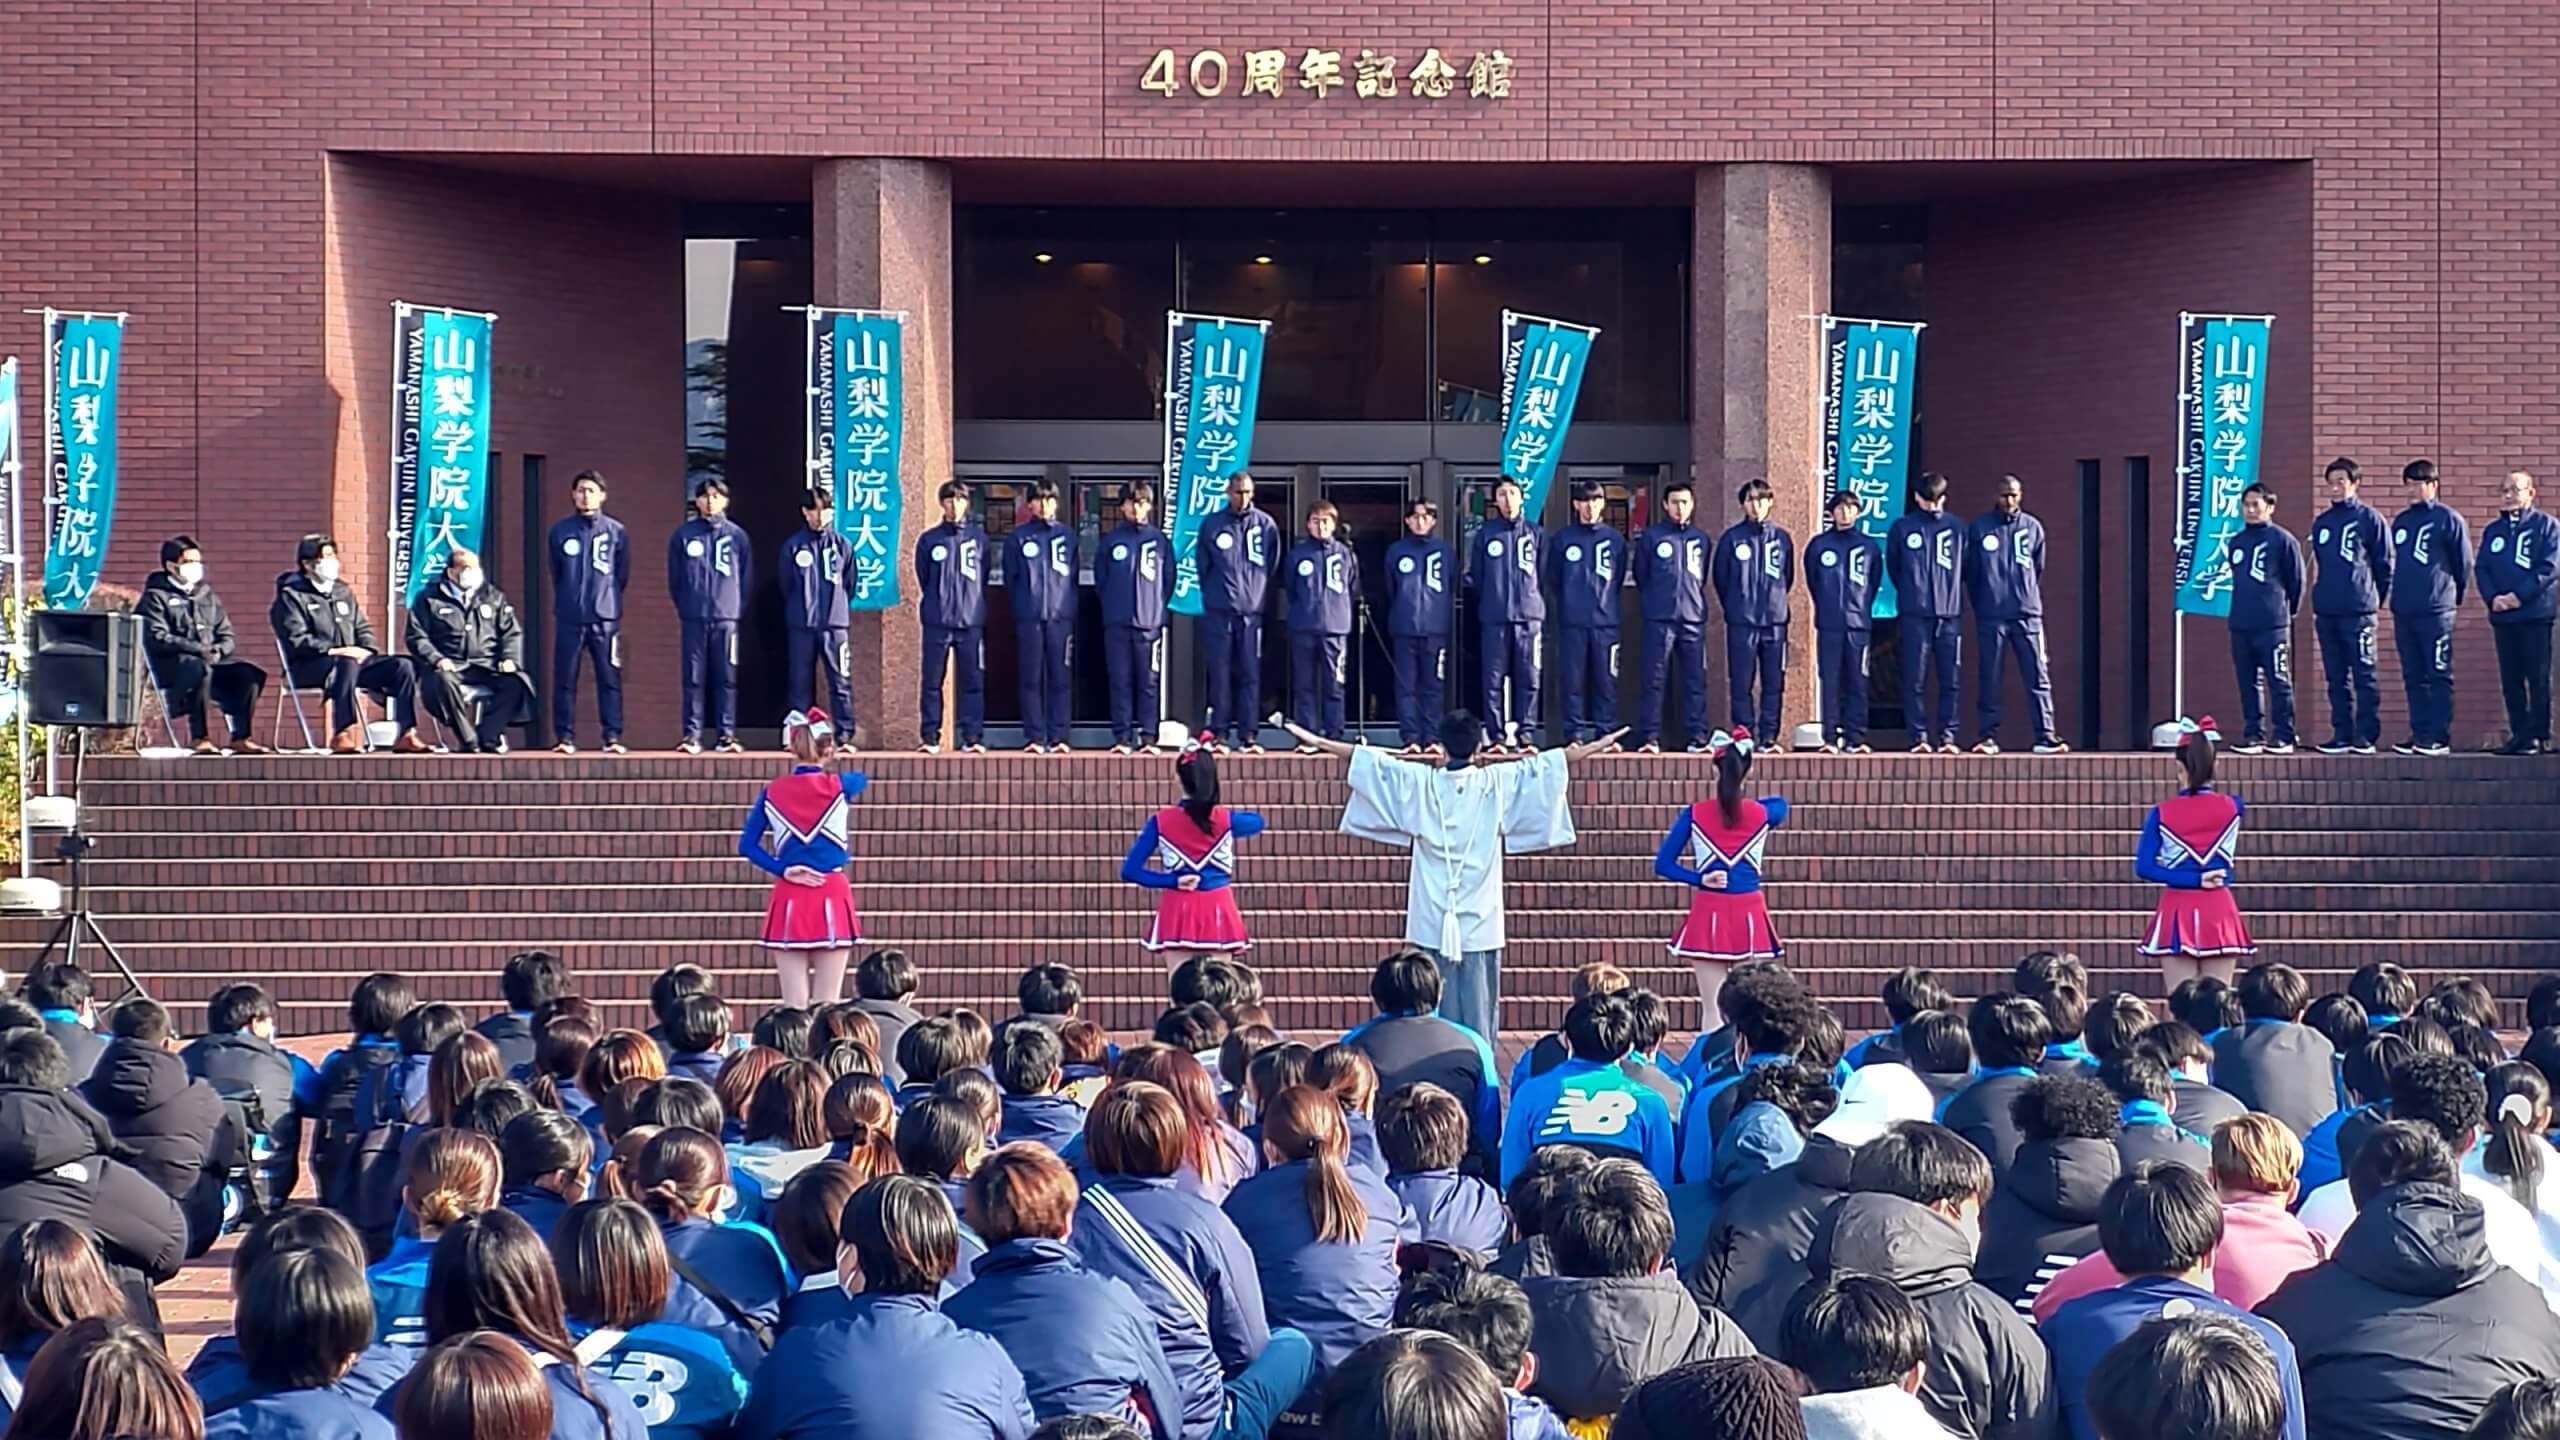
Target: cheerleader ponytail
<point>1732,755</point>
<point>2196,739</point>
<point>1198,771</point>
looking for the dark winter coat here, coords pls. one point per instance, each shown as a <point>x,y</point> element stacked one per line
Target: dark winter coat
<point>56,1164</point>
<point>1754,1261</point>
<point>1613,1334</point>
<point>1988,1375</point>
<point>2044,1216</point>
<point>2408,1330</point>
<point>172,1127</point>
<point>1980,1113</point>
<point>2279,1068</point>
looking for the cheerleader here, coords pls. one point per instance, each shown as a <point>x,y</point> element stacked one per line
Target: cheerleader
<point>1194,845</point>
<point>1722,841</point>
<point>2188,845</point>
<point>796,833</point>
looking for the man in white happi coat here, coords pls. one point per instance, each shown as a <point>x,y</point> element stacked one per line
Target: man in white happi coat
<point>1459,819</point>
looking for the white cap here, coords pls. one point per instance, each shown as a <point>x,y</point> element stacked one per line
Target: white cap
<point>1875,1097</point>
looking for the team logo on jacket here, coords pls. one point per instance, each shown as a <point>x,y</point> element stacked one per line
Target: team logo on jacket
<point>803,559</point>
<point>2524,552</point>
<point>1405,566</point>
<point>1226,539</point>
<point>1333,573</point>
<point>1603,555</point>
<point>1990,542</point>
<point>1697,560</point>
<point>723,558</point>
<point>940,553</point>
<point>1742,551</point>
<point>1662,550</point>
<point>1147,563</point>
<point>488,612</point>
<point>1253,548</point>
<point>2444,654</point>
<point>2498,544</point>
<point>2418,550</point>
<point>1773,561</point>
<point>693,549</point>
<point>1119,552</point>
<point>1431,574</point>
<point>1830,558</point>
<point>1059,561</point>
<point>570,546</point>
<point>1573,554</point>
<point>1585,1113</point>
<point>1030,549</point>
<point>1911,541</point>
<point>2022,547</point>
<point>969,562</point>
<point>1493,547</point>
<point>1945,553</point>
<point>833,566</point>
<point>2258,564</point>
<point>1307,567</point>
<point>1858,563</point>
<point>599,559</point>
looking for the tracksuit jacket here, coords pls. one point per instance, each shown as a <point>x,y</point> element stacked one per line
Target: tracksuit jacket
<point>1084,1343</point>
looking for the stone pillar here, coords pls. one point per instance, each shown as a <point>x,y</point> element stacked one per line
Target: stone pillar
<point>1761,238</point>
<point>882,240</point>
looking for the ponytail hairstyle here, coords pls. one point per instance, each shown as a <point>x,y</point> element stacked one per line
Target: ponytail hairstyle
<point>491,1272</point>
<point>1180,1071</point>
<point>613,1264</point>
<point>680,1174</point>
<point>460,1064</point>
<point>451,1175</point>
<point>616,1178</point>
<point>1349,1074</point>
<point>558,1057</point>
<point>862,1116</point>
<point>811,737</point>
<point>1198,770</point>
<point>480,1386</point>
<point>1304,1123</point>
<point>546,1148</point>
<point>1733,761</point>
<point>810,1215</point>
<point>1274,1069</point>
<point>2519,1111</point>
<point>2196,739</point>
<point>51,1277</point>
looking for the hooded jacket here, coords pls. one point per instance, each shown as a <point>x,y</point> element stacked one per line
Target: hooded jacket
<point>1988,1376</point>
<point>1084,1343</point>
<point>167,1120</point>
<point>2411,1327</point>
<point>825,1383</point>
<point>1760,1141</point>
<point>2279,1068</point>
<point>56,1164</point>
<point>1207,1307</point>
<point>1754,1259</point>
<point>178,620</point>
<point>1602,1336</point>
<point>2044,1216</point>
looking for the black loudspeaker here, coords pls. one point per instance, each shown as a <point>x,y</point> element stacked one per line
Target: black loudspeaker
<point>87,668</point>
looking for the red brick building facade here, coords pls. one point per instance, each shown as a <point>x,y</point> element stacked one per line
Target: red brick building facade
<point>256,184</point>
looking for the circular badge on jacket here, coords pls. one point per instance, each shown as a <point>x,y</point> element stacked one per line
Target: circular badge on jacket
<point>941,553</point>
<point>1405,566</point>
<point>1226,539</point>
<point>1031,547</point>
<point>1662,549</point>
<point>1990,542</point>
<point>1493,547</point>
<point>342,607</point>
<point>1830,557</point>
<point>803,559</point>
<point>2497,543</point>
<point>1573,552</point>
<point>1306,567</point>
<point>2401,535</point>
<point>1742,552</point>
<point>1911,541</point>
<point>488,612</point>
<point>1119,552</point>
<point>693,548</point>
<point>571,546</point>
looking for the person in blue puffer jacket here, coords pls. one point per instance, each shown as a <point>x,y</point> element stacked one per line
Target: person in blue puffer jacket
<point>1423,1135</point>
<point>304,1322</point>
<point>615,1287</point>
<point>823,1382</point>
<point>1084,1342</point>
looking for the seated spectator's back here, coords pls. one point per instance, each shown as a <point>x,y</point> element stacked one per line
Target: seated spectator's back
<point>2273,1063</point>
<point>2043,1216</point>
<point>2009,1034</point>
<point>173,1128</point>
<point>1410,1042</point>
<point>57,1161</point>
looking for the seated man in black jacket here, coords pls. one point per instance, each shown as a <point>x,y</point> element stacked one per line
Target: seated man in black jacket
<point>170,1126</point>
<point>62,995</point>
<point>186,635</point>
<point>57,1162</point>
<point>267,1088</point>
<point>329,646</point>
<point>530,980</point>
<point>464,632</point>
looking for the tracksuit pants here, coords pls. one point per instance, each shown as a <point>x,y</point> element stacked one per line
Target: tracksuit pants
<point>1235,676</point>
<point>1041,649</point>
<point>964,653</point>
<point>2524,674</point>
<point>1673,647</point>
<point>233,685</point>
<point>2424,640</point>
<point>1508,652</point>
<point>1840,662</point>
<point>2022,638</point>
<point>832,647</point>
<point>1590,681</point>
<point>1316,676</point>
<point>710,675</point>
<point>2347,655</point>
<point>601,642</point>
<point>1422,679</point>
<point>1130,655</point>
<point>1756,656</point>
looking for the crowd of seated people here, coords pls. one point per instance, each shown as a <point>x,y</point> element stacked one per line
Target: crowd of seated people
<point>2044,1213</point>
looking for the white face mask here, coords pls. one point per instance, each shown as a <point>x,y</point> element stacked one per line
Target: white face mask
<point>191,574</point>
<point>468,581</point>
<point>325,569</point>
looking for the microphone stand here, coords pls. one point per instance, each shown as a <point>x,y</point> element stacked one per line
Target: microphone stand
<point>1360,667</point>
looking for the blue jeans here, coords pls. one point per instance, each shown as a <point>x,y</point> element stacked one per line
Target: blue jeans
<point>1471,990</point>
<point>1257,1394</point>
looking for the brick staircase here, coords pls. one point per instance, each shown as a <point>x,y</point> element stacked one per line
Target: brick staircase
<point>306,873</point>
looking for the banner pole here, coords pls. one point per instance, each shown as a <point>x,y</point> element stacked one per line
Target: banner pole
<point>809,397</point>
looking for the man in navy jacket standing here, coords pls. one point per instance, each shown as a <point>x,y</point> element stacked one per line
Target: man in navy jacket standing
<point>708,571</point>
<point>2353,551</point>
<point>590,568</point>
<point>1040,576</point>
<point>2004,582</point>
<point>1511,616</point>
<point>1671,592</point>
<point>1586,564</point>
<point>817,570</point>
<point>1923,554</point>
<point>1134,577</point>
<point>1755,567</point>
<point>1239,548</point>
<point>1842,568</point>
<point>1420,570</point>
<point>951,602</point>
<point>2517,559</point>
<point>2266,590</point>
<point>2430,570</point>
<point>1320,585</point>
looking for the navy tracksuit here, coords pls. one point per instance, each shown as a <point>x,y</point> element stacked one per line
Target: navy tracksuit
<point>1420,570</point>
<point>951,581</point>
<point>1670,564</point>
<point>2266,588</point>
<point>2004,583</point>
<point>817,574</point>
<point>1586,566</point>
<point>1510,610</point>
<point>1040,575</point>
<point>1923,552</point>
<point>1755,567</point>
<point>708,570</point>
<point>2352,550</point>
<point>590,568</point>
<point>1319,585</point>
<point>2517,556</point>
<point>1237,553</point>
<point>2430,571</point>
<point>1133,575</point>
<point>1842,569</point>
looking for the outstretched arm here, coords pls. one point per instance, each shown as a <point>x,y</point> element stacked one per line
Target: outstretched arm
<point>1340,750</point>
<point>1576,754</point>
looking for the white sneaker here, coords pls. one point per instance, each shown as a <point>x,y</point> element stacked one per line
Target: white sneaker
<point>931,747</point>
<point>2435,747</point>
<point>2283,748</point>
<point>2052,747</point>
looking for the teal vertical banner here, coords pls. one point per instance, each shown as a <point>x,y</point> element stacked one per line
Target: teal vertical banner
<point>867,430</point>
<point>1869,371</point>
<point>1542,365</point>
<point>2222,408</point>
<point>1213,381</point>
<point>451,397</point>
<point>85,354</point>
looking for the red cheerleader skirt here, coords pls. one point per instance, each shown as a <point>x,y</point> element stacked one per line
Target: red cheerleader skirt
<point>1196,920</point>
<point>811,917</point>
<point>2201,924</point>
<point>1727,928</point>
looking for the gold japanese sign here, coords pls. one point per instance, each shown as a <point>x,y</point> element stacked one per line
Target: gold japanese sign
<point>1365,74</point>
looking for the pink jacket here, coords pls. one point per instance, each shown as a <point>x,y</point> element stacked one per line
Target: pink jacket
<point>2262,1244</point>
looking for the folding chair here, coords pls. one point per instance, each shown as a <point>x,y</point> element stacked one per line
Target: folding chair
<point>288,691</point>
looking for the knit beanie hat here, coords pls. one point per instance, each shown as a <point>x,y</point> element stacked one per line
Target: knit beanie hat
<point>1745,1398</point>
